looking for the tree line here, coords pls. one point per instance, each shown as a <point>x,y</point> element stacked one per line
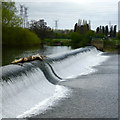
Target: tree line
<point>12,33</point>
<point>40,33</point>
<point>106,31</point>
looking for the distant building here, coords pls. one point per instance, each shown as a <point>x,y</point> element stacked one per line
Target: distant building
<point>119,16</point>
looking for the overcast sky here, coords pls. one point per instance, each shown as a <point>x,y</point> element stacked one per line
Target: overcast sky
<point>67,12</point>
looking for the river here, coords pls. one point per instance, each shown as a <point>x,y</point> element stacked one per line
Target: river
<point>11,53</point>
<point>80,83</point>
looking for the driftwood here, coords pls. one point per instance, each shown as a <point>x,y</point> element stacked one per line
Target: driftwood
<point>28,59</point>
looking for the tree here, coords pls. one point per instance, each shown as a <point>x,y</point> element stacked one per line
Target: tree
<point>9,17</point>
<point>40,28</point>
<point>76,40</point>
<point>111,31</point>
<point>82,27</point>
<point>97,30</point>
<point>106,30</point>
<point>75,28</point>
<point>103,29</point>
<point>114,34</point>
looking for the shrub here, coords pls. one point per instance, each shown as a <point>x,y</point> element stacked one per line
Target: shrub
<point>18,36</point>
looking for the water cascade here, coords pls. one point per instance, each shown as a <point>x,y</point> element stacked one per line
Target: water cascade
<point>31,88</point>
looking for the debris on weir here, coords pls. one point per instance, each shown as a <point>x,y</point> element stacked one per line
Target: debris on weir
<point>28,59</point>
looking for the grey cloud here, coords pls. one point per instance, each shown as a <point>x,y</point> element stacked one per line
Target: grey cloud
<point>68,13</point>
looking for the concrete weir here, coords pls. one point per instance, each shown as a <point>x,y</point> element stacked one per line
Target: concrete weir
<point>78,83</point>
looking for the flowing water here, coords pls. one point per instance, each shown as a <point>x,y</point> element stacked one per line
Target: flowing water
<point>11,53</point>
<point>31,88</point>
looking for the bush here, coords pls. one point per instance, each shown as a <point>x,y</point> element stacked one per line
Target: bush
<point>76,40</point>
<point>18,36</point>
<point>81,40</point>
<point>62,42</point>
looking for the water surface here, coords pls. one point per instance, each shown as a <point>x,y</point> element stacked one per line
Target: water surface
<point>11,53</point>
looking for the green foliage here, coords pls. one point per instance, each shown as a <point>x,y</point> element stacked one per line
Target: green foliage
<point>62,42</point>
<point>41,29</point>
<point>118,35</point>
<point>82,28</point>
<point>76,40</point>
<point>104,31</point>
<point>59,35</point>
<point>80,40</point>
<point>9,17</point>
<point>12,34</point>
<point>18,36</point>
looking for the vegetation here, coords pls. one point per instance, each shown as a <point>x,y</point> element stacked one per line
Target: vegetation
<point>106,32</point>
<point>55,42</point>
<point>18,36</point>
<point>110,37</point>
<point>40,33</point>
<point>12,33</point>
<point>9,17</point>
<point>82,34</point>
<point>40,28</point>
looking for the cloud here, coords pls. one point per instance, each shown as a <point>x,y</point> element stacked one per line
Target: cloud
<point>68,12</point>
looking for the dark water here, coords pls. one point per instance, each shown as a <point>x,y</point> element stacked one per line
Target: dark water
<point>11,53</point>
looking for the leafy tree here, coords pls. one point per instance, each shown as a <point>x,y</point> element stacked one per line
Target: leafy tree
<point>103,29</point>
<point>114,33</point>
<point>111,31</point>
<point>75,28</point>
<point>106,30</point>
<point>97,30</point>
<point>40,28</point>
<point>12,33</point>
<point>82,28</point>
<point>76,39</point>
<point>9,17</point>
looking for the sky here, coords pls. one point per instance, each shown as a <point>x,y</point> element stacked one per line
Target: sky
<point>67,12</point>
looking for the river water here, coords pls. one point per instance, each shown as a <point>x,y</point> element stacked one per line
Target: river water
<point>72,83</point>
<point>11,53</point>
<point>34,87</point>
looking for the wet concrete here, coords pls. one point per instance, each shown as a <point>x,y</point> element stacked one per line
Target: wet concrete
<point>93,96</point>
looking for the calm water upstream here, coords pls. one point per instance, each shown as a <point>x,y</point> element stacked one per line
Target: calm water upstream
<point>10,53</point>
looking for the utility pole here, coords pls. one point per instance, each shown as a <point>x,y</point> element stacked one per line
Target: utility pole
<point>25,17</point>
<point>89,24</point>
<point>56,24</point>
<point>21,12</point>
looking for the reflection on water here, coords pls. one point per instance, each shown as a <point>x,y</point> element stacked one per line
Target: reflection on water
<point>11,53</point>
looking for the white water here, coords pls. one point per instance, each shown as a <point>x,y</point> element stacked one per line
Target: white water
<point>80,64</point>
<point>60,93</point>
<point>31,93</point>
<point>26,92</point>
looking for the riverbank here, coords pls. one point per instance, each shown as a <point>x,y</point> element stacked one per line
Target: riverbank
<point>93,96</point>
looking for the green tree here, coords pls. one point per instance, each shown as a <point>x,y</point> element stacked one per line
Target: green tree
<point>82,28</point>
<point>9,17</point>
<point>114,33</point>
<point>106,30</point>
<point>41,29</point>
<point>12,33</point>
<point>76,40</point>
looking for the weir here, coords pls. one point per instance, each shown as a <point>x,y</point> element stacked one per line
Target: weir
<point>26,85</point>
